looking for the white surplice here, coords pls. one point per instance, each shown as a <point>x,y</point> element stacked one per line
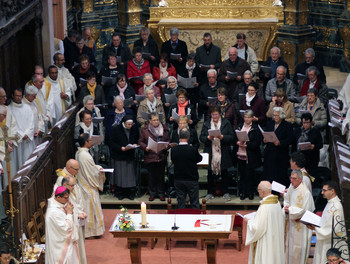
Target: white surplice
<point>25,126</point>
<point>64,74</point>
<point>36,119</point>
<point>41,103</point>
<point>324,233</point>
<point>55,104</point>
<point>265,233</point>
<point>91,180</point>
<point>344,95</point>
<point>61,235</point>
<point>298,237</point>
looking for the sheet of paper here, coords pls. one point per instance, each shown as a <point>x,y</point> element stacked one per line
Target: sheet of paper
<point>174,115</point>
<point>334,103</point>
<point>146,55</point>
<point>249,216</point>
<point>311,218</point>
<point>82,81</point>
<point>156,146</point>
<point>186,83</point>
<point>97,120</point>
<point>242,135</point>
<point>170,98</point>
<point>270,136</point>
<point>277,187</point>
<point>343,145</point>
<point>139,98</point>
<point>336,112</point>
<point>345,169</point>
<point>109,81</point>
<point>205,159</point>
<point>31,160</point>
<point>214,132</point>
<point>175,56</point>
<point>301,76</point>
<point>335,120</point>
<point>266,69</point>
<point>71,109</point>
<point>304,145</point>
<point>128,102</point>
<point>231,75</point>
<point>107,170</point>
<point>212,99</point>
<point>345,159</point>
<point>145,115</point>
<point>204,66</point>
<point>96,140</point>
<point>130,146</point>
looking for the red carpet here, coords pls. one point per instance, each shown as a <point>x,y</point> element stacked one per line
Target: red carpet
<point>108,249</point>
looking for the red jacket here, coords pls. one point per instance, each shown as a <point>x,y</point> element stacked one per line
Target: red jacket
<point>133,71</point>
<point>171,72</point>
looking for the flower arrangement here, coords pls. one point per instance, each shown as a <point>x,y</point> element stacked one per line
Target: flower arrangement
<point>125,223</point>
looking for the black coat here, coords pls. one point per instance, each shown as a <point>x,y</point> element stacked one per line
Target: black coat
<point>180,48</point>
<point>280,62</point>
<point>69,53</point>
<point>301,68</point>
<point>226,142</point>
<point>253,146</point>
<point>207,91</point>
<point>193,114</point>
<point>276,159</point>
<point>119,139</point>
<point>87,51</point>
<point>192,141</point>
<point>312,156</point>
<point>99,94</point>
<point>113,92</point>
<point>152,48</point>
<point>123,51</point>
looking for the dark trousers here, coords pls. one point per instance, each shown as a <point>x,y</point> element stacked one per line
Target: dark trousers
<point>156,178</point>
<point>246,178</point>
<point>187,187</point>
<point>211,181</point>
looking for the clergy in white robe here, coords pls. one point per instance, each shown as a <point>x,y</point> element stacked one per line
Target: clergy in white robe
<point>297,162</point>
<point>3,112</point>
<point>297,200</point>
<point>63,72</point>
<point>344,95</point>
<point>90,179</point>
<point>265,232</point>
<point>60,96</point>
<point>25,128</point>
<point>333,209</point>
<point>61,234</point>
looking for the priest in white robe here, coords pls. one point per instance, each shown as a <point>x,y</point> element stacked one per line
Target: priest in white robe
<point>266,231</point>
<point>3,113</point>
<point>63,73</point>
<point>59,98</point>
<point>297,200</point>
<point>25,128</point>
<point>297,162</point>
<point>61,235</point>
<point>344,95</point>
<point>91,180</point>
<point>333,209</point>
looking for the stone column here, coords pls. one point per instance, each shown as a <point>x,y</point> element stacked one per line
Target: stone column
<point>295,35</point>
<point>47,32</point>
<point>129,18</point>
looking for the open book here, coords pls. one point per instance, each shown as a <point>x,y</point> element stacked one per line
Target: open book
<point>186,82</point>
<point>214,132</point>
<point>157,146</point>
<point>139,98</point>
<point>304,145</point>
<point>131,146</point>
<point>175,56</point>
<point>146,115</point>
<point>277,187</point>
<point>128,102</point>
<point>242,135</point>
<point>109,81</point>
<point>175,115</point>
<point>232,75</point>
<point>310,218</point>
<point>249,216</point>
<point>269,136</point>
<point>266,69</point>
<point>170,98</point>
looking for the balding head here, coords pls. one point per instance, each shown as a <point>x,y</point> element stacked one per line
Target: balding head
<point>3,97</point>
<point>72,166</point>
<point>264,189</point>
<point>232,54</point>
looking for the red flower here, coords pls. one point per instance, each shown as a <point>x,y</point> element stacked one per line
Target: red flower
<point>122,219</point>
<point>126,221</point>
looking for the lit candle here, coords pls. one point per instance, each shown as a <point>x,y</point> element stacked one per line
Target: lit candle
<point>143,214</point>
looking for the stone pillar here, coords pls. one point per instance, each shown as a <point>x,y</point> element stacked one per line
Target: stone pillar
<point>47,32</point>
<point>129,16</point>
<point>344,29</point>
<point>295,35</point>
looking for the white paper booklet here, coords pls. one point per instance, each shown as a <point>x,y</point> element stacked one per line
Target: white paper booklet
<point>304,145</point>
<point>249,216</point>
<point>310,218</point>
<point>277,187</point>
<point>157,146</point>
<point>242,135</point>
<point>214,132</point>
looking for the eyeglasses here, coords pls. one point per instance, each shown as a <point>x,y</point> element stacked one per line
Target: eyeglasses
<point>324,190</point>
<point>333,260</point>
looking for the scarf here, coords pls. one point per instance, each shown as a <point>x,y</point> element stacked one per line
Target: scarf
<point>306,85</point>
<point>92,89</point>
<point>156,131</point>
<point>163,71</point>
<point>89,130</point>
<point>122,90</point>
<point>190,69</point>
<point>248,99</point>
<point>81,70</point>
<point>222,108</point>
<point>152,106</point>
<point>304,137</point>
<point>182,108</point>
<point>216,150</point>
<point>242,152</point>
<point>138,64</point>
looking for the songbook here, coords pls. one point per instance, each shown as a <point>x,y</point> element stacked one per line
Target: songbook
<point>128,102</point>
<point>299,99</point>
<point>343,145</point>
<point>131,146</point>
<point>231,75</point>
<point>82,81</point>
<point>135,78</point>
<point>205,160</point>
<point>214,132</point>
<point>310,218</point>
<point>336,120</point>
<point>146,55</point>
<point>242,135</point>
<point>343,168</point>
<point>157,146</point>
<point>109,81</point>
<point>97,120</point>
<point>204,66</point>
<point>31,160</point>
<point>266,69</point>
<point>107,170</point>
<point>175,115</point>
<point>71,109</point>
<point>119,59</point>
<point>304,145</point>
<point>175,56</point>
<point>212,99</point>
<point>269,136</point>
<point>146,115</point>
<point>334,103</point>
<point>139,98</point>
<point>277,187</point>
<point>346,151</point>
<point>301,76</point>
<point>96,140</point>
<point>336,111</point>
<point>170,98</point>
<point>60,123</point>
<point>249,216</point>
<point>186,83</point>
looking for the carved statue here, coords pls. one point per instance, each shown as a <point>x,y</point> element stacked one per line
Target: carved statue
<point>163,3</point>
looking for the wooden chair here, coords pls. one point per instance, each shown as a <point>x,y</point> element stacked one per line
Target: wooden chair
<point>186,211</point>
<point>39,224</point>
<point>32,231</point>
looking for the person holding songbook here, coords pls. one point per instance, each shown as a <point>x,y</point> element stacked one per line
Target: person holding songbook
<point>182,122</point>
<point>93,89</point>
<point>136,68</point>
<point>217,136</point>
<point>182,107</point>
<point>155,162</point>
<point>276,154</point>
<point>109,74</point>
<point>147,84</point>
<point>164,70</point>
<point>281,99</point>
<point>248,139</point>
<point>123,89</point>
<point>169,94</point>
<point>252,101</point>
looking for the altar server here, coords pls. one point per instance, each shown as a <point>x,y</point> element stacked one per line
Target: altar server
<point>265,232</point>
<point>297,201</point>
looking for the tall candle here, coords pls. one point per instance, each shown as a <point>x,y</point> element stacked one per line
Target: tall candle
<point>143,214</point>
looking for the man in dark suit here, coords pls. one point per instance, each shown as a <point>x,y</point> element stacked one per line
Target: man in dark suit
<point>185,159</point>
<point>69,49</point>
<point>176,46</point>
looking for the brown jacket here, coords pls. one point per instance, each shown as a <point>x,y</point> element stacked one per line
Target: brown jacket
<point>288,108</point>
<point>144,108</point>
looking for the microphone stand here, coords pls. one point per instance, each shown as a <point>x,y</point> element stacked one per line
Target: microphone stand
<point>175,227</point>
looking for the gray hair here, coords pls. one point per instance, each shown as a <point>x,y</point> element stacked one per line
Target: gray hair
<point>2,110</point>
<point>148,89</point>
<point>184,133</point>
<point>87,98</point>
<point>144,29</point>
<point>310,51</point>
<point>147,74</point>
<point>312,68</point>
<point>30,89</point>
<point>282,67</point>
<point>276,48</point>
<point>280,111</point>
<point>171,77</point>
<point>249,112</point>
<point>174,31</point>
<point>35,77</point>
<point>333,252</point>
<point>118,97</point>
<point>297,172</point>
<point>265,186</point>
<point>212,70</point>
<point>248,72</point>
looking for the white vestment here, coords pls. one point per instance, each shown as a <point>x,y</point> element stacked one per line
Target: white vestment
<point>64,74</point>
<point>324,233</point>
<point>55,104</point>
<point>36,119</point>
<point>91,180</point>
<point>298,237</point>
<point>25,126</point>
<point>265,233</point>
<point>2,161</point>
<point>61,235</point>
<point>344,94</point>
<point>40,103</point>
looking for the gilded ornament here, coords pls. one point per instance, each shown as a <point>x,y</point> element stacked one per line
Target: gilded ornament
<point>290,18</point>
<point>303,18</point>
<point>134,19</point>
<point>290,4</point>
<point>229,3</point>
<point>288,51</point>
<point>88,6</point>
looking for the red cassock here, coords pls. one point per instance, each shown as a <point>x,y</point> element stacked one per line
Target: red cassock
<point>133,71</point>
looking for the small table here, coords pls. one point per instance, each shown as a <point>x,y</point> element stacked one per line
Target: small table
<point>208,227</point>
